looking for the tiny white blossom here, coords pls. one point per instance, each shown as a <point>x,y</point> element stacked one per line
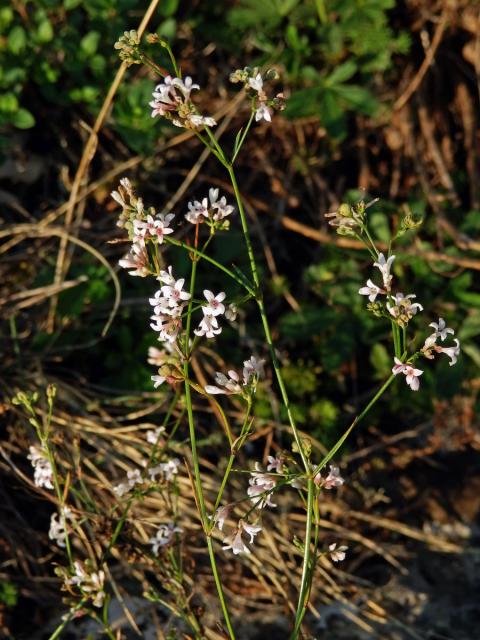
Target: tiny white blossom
<point>256,83</point>
<point>385,266</point>
<point>231,312</point>
<point>199,121</point>
<point>228,385</point>
<point>263,113</point>
<point>262,486</point>
<point>90,583</point>
<point>333,479</point>
<point>275,464</point>
<point>337,555</point>
<point>235,543</point>
<point>214,306</point>
<point>451,352</point>
<point>43,473</point>
<point>221,514</point>
<point>153,435</point>
<point>163,536</point>
<point>136,260</point>
<point>208,327</point>
<point>371,290</point>
<point>57,530</point>
<point>441,329</point>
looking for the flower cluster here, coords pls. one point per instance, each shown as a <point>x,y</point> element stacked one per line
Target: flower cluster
<point>211,210</point>
<point>166,470</point>
<point>57,530</point>
<point>128,46</point>
<point>441,332</point>
<point>232,384</point>
<point>349,219</point>
<point>171,99</point>
<point>253,81</point>
<point>261,487</point>
<point>168,305</point>
<point>214,308</point>
<point>43,473</point>
<point>90,583</point>
<point>163,536</point>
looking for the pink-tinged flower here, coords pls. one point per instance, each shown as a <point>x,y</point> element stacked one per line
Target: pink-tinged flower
<point>174,293</point>
<point>157,381</point>
<point>157,227</point>
<point>404,308</point>
<point>441,329</point>
<point>252,370</point>
<point>57,529</point>
<point>202,121</point>
<point>219,206</point>
<point>197,211</point>
<point>333,479</point>
<point>90,583</point>
<point>43,473</point>
<point>167,327</point>
<point>452,352</point>
<point>227,385</point>
<point>385,266</point>
<point>262,112</point>
<point>137,260</point>
<point>250,529</point>
<point>262,486</point>
<point>211,208</point>
<point>371,290</point>
<point>153,435</point>
<point>186,86</point>
<point>399,366</point>
<point>412,377</point>
<point>221,515</point>
<point>163,536</point>
<point>337,555</point>
<point>214,306</point>
<point>235,543</point>
<point>275,464</point>
<point>208,327</point>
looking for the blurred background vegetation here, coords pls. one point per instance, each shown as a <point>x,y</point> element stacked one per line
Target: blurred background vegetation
<point>382,100</point>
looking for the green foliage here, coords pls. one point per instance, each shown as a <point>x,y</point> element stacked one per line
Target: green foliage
<point>8,593</point>
<point>331,52</point>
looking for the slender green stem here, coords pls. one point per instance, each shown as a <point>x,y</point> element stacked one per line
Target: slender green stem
<point>218,584</point>
<point>367,233</point>
<point>242,138</point>
<point>307,558</point>
<point>196,464</point>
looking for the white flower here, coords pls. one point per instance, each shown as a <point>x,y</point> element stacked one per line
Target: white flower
<point>441,329</point>
<point>137,260</point>
<point>250,529</point>
<point>399,366</point>
<point>371,290</point>
<point>262,112</point>
<point>256,83</point>
<point>174,293</point>
<point>157,381</point>
<point>57,530</point>
<point>261,488</point>
<point>198,211</point>
<point>252,370</point>
<point>186,86</point>
<point>208,327</point>
<point>153,435</point>
<point>403,307</point>
<point>230,384</point>
<point>133,477</point>
<point>235,543</point>
<point>43,473</point>
<point>337,555</point>
<point>153,227</point>
<point>90,584</point>
<point>412,375</point>
<point>385,266</point>
<point>231,312</point>
<point>214,306</point>
<point>163,536</point>
<point>211,208</point>
<point>333,479</point>
<point>221,514</point>
<point>275,464</point>
<point>452,352</point>
<point>205,121</point>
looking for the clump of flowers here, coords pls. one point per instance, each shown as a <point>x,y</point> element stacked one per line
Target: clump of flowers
<point>43,472</point>
<point>89,582</point>
<point>57,531</point>
<point>163,536</point>
<point>233,384</point>
<point>253,81</point>
<point>211,210</point>
<point>172,100</point>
